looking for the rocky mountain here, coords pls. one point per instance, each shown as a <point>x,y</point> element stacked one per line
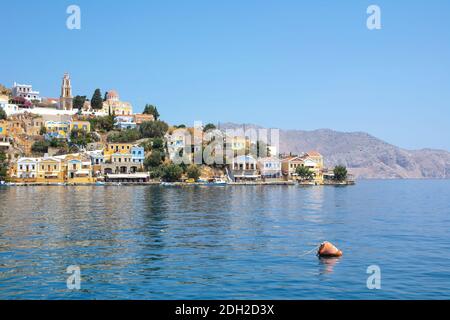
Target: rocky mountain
<point>365,156</point>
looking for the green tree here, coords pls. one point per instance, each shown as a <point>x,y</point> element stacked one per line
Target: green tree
<point>40,147</point>
<point>304,173</point>
<point>104,124</point>
<point>154,160</point>
<point>97,100</point>
<point>78,102</point>
<point>125,136</point>
<point>153,129</point>
<point>193,172</point>
<point>3,115</point>
<point>151,109</point>
<point>3,166</point>
<point>81,138</point>
<point>171,173</point>
<point>158,144</point>
<point>209,127</point>
<point>340,173</point>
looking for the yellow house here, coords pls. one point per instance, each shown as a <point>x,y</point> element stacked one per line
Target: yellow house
<point>312,160</point>
<point>60,128</point>
<point>4,128</point>
<point>112,148</point>
<point>77,169</point>
<point>50,170</point>
<point>80,125</point>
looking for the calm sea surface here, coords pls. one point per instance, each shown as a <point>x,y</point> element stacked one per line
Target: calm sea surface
<point>226,242</point>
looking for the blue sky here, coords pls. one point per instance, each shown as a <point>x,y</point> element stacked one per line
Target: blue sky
<point>289,64</point>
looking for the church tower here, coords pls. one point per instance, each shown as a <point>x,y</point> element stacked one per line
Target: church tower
<point>66,102</point>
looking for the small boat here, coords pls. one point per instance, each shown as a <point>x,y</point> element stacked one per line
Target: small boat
<point>216,182</point>
<point>168,184</point>
<point>100,183</point>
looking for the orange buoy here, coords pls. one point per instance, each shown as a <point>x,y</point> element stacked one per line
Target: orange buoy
<point>327,249</point>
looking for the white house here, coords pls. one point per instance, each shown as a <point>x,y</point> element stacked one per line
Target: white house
<point>270,167</point>
<point>25,91</point>
<point>27,168</point>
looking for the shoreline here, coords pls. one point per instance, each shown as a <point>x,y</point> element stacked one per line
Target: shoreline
<point>178,184</point>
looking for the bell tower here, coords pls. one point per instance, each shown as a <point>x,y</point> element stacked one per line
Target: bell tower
<point>66,102</point>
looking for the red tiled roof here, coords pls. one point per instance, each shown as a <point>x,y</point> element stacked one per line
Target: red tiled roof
<point>313,154</point>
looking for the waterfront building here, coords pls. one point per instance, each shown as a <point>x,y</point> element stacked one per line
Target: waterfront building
<point>139,118</point>
<point>244,168</point>
<point>125,122</point>
<point>121,163</point>
<point>97,157</point>
<point>50,170</point>
<point>112,148</point>
<point>78,169</point>
<point>25,91</point>
<point>113,105</point>
<point>312,160</point>
<point>66,99</point>
<point>26,169</point>
<point>289,166</point>
<point>270,167</point>
<point>138,154</point>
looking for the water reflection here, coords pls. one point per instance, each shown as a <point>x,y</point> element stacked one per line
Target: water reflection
<point>327,265</point>
<point>222,243</point>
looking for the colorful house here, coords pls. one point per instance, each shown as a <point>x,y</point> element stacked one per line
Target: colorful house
<point>137,154</point>
<point>80,125</point>
<point>58,129</point>
<point>50,170</point>
<point>312,160</point>
<point>78,169</point>
<point>125,122</point>
<point>112,148</point>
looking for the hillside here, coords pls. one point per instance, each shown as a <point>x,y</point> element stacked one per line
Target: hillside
<point>365,156</point>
